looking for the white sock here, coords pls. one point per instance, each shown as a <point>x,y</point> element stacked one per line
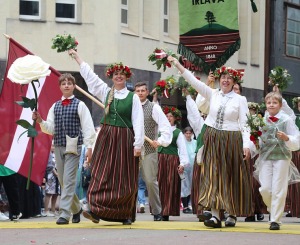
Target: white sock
<point>216,213</point>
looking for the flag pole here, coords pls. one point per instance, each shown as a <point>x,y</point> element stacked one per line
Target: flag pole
<point>8,37</point>
<point>101,105</point>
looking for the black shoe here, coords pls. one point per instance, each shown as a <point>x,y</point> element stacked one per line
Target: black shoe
<point>260,217</point>
<point>230,223</point>
<point>187,211</point>
<point>289,214</point>
<point>157,217</point>
<point>76,217</point>
<point>204,216</point>
<point>211,223</point>
<point>127,222</point>
<point>274,226</point>
<point>62,221</point>
<point>250,219</point>
<point>165,218</point>
<point>91,216</point>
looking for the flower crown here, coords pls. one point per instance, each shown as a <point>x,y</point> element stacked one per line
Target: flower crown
<point>174,111</point>
<point>295,101</point>
<point>112,68</point>
<point>235,74</point>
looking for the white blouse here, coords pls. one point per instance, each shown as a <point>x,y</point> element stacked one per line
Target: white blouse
<point>227,111</point>
<point>100,89</point>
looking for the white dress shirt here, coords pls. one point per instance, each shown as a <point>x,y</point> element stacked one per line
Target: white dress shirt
<point>227,111</point>
<point>100,89</point>
<point>163,125</point>
<point>86,123</point>
<point>193,115</point>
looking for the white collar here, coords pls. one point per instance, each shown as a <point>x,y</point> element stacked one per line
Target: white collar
<point>71,97</point>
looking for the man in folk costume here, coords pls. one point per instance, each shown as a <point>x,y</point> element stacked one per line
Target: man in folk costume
<point>68,119</point>
<point>155,121</point>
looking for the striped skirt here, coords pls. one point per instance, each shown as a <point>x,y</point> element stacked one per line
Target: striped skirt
<point>293,196</point>
<point>113,188</point>
<point>225,177</point>
<point>169,184</point>
<point>195,188</point>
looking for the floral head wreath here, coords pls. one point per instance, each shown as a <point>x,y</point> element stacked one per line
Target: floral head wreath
<point>112,68</point>
<point>235,74</point>
<point>174,111</point>
<point>295,101</point>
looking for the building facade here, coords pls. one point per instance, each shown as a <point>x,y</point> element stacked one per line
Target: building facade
<point>129,30</point>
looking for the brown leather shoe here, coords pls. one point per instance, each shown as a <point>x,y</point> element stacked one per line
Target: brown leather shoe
<point>91,216</point>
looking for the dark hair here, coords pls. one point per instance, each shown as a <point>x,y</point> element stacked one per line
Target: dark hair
<point>66,76</point>
<point>140,84</point>
<point>240,86</point>
<point>187,129</point>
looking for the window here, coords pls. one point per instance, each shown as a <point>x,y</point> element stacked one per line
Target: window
<point>66,10</point>
<point>293,32</point>
<point>30,9</point>
<point>124,12</point>
<point>166,16</point>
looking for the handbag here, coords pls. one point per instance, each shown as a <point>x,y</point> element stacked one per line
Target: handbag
<point>85,177</point>
<point>71,145</point>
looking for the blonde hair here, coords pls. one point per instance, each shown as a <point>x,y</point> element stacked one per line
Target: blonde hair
<point>275,96</point>
<point>110,99</point>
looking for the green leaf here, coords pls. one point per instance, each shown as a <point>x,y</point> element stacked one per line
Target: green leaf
<point>32,132</point>
<point>22,134</point>
<point>24,123</point>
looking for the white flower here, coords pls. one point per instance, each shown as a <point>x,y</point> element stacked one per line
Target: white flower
<point>256,121</point>
<point>28,68</point>
<point>273,72</point>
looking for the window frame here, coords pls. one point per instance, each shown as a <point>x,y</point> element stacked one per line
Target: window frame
<point>124,7</point>
<point>31,17</point>
<point>61,19</point>
<point>293,6</point>
<point>166,16</point>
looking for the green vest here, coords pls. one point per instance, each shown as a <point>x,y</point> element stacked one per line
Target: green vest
<point>172,149</point>
<point>119,112</point>
<point>200,142</point>
<point>4,171</point>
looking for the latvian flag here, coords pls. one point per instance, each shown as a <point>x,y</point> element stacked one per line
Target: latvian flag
<point>15,151</point>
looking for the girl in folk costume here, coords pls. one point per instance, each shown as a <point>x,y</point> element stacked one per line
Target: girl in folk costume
<point>114,175</point>
<point>171,162</point>
<point>225,178</point>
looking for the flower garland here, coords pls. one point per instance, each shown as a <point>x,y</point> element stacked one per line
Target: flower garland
<point>295,102</point>
<point>255,122</point>
<point>159,57</point>
<point>280,77</point>
<point>112,68</point>
<point>235,74</point>
<point>166,87</point>
<point>64,43</point>
<point>183,84</point>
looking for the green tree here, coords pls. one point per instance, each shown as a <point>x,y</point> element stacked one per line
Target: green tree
<point>210,18</point>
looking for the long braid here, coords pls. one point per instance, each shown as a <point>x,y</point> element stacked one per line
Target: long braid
<point>110,99</point>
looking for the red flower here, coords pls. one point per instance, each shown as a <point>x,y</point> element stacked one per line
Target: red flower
<point>252,138</point>
<point>259,133</point>
<point>168,64</point>
<point>173,109</point>
<point>76,42</point>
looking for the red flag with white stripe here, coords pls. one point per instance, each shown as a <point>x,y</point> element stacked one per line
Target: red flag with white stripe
<point>14,152</point>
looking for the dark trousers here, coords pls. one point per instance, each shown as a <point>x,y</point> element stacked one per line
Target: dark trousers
<point>10,184</point>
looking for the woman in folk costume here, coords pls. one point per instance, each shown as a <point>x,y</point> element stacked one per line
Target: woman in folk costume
<point>171,162</point>
<point>294,190</point>
<point>114,175</point>
<point>225,176</point>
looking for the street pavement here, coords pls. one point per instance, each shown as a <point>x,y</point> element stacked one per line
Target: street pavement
<point>185,230</point>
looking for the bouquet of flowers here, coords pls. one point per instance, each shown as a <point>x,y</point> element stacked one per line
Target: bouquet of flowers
<point>64,43</point>
<point>165,87</point>
<point>295,102</point>
<point>280,77</point>
<point>183,84</point>
<point>255,122</point>
<point>253,106</point>
<point>159,57</point>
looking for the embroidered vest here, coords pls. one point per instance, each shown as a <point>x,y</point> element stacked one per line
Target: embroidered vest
<point>270,141</point>
<point>172,149</point>
<point>67,122</point>
<point>150,126</point>
<point>119,112</point>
